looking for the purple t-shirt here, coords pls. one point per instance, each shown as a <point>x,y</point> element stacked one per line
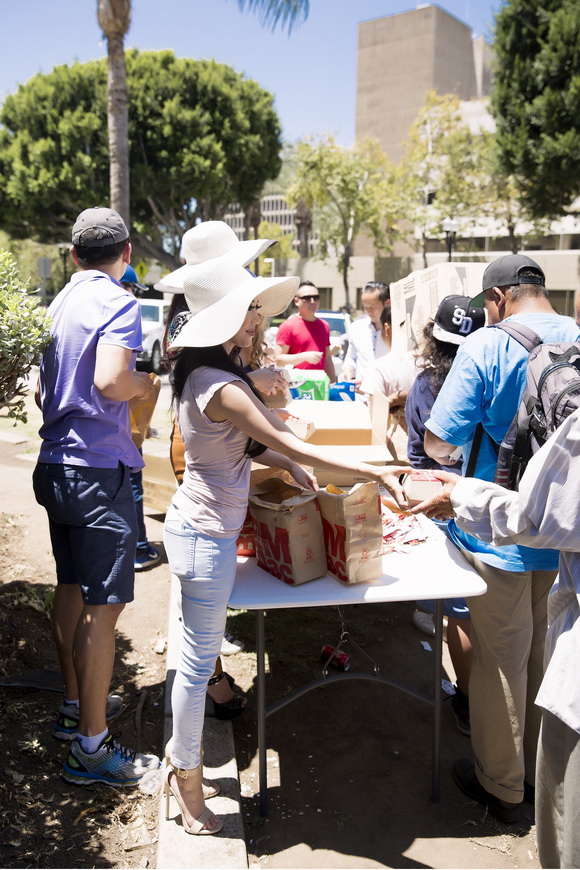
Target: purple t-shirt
<point>81,426</point>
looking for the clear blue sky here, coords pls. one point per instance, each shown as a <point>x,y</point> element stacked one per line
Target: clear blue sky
<point>311,73</point>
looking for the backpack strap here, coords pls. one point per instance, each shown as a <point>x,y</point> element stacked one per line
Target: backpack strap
<point>526,336</point>
<point>475,448</point>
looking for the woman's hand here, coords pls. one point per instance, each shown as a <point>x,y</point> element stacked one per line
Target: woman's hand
<point>303,478</point>
<point>269,382</point>
<point>389,478</point>
<point>439,507</point>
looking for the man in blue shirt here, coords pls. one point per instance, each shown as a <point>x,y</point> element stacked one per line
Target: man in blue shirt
<point>485,386</point>
<point>82,480</point>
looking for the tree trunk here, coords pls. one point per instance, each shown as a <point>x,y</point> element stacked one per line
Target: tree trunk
<point>303,224</point>
<point>345,267</point>
<point>514,247</point>
<point>118,122</point>
<point>114,18</point>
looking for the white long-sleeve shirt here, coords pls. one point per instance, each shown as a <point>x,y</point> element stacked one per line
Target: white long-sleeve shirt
<point>544,513</point>
<point>365,345</point>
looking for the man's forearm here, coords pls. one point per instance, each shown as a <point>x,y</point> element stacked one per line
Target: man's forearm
<point>438,449</point>
<point>125,386</point>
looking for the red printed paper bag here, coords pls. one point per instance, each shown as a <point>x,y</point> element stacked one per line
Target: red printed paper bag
<point>287,531</point>
<point>353,532</point>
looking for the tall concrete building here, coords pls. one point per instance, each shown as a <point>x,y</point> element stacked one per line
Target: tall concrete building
<point>401,57</point>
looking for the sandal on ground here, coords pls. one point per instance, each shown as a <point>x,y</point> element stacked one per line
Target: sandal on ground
<point>198,825</point>
<point>209,787</point>
<point>228,709</point>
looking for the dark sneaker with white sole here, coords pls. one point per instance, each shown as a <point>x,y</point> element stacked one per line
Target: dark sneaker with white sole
<point>147,557</point>
<point>67,724</point>
<point>460,707</point>
<point>112,764</point>
<point>463,772</point>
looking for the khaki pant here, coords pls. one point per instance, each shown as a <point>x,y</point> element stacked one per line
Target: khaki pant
<point>558,794</point>
<point>508,632</point>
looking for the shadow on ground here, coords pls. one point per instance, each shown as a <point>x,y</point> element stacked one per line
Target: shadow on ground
<point>46,822</point>
<point>349,765</point>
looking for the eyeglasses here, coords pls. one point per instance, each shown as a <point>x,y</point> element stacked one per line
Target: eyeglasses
<point>309,298</point>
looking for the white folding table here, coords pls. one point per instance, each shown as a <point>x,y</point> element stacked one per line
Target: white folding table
<point>432,569</point>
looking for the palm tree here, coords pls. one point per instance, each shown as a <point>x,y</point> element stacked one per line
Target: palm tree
<point>114,18</point>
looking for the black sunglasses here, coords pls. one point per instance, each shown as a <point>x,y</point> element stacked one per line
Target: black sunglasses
<point>310,298</point>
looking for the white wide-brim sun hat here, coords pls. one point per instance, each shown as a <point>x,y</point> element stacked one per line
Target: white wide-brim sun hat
<point>218,294</point>
<point>208,241</point>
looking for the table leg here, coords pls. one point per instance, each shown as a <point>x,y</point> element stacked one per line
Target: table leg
<point>437,665</point>
<point>261,668</point>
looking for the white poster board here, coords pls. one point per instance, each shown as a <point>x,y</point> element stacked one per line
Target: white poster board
<point>416,298</point>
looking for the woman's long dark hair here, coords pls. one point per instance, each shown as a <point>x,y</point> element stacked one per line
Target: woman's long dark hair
<point>436,357</point>
<point>188,359</point>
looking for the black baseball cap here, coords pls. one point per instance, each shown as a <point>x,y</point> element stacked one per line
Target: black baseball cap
<point>506,271</point>
<point>105,219</point>
<point>456,318</point>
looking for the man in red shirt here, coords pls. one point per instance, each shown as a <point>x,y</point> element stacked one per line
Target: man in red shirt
<point>303,341</point>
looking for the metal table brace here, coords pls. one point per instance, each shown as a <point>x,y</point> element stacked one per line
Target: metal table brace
<point>264,711</point>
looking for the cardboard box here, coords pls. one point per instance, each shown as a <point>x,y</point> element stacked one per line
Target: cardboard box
<point>374,454</point>
<point>416,298</point>
<point>335,422</point>
<point>159,482</point>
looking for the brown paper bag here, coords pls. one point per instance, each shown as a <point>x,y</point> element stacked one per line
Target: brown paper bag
<point>141,412</point>
<point>353,532</point>
<point>288,532</point>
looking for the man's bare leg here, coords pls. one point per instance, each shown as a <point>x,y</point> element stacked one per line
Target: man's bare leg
<point>94,655</point>
<point>66,611</point>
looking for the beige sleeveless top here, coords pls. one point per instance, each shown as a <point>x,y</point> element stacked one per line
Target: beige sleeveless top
<point>214,494</point>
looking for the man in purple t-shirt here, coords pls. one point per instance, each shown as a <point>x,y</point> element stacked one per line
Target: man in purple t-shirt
<point>82,480</point>
<point>303,340</point>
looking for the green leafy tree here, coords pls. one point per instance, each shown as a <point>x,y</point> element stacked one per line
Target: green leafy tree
<point>536,100</point>
<point>280,253</point>
<point>447,169</point>
<point>435,173</point>
<point>201,136</point>
<point>24,333</point>
<point>348,189</point>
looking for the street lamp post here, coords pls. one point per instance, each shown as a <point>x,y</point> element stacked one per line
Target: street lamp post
<point>450,227</point>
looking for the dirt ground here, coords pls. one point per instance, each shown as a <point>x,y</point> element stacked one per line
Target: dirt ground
<point>349,765</point>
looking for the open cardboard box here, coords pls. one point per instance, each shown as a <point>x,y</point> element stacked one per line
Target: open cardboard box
<point>335,422</point>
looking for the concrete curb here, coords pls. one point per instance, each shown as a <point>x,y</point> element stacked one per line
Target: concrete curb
<point>176,849</point>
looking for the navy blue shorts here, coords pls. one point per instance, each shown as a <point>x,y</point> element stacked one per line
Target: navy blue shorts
<point>93,528</point>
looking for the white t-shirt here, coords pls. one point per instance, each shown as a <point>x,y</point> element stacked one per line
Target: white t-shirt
<point>389,374</point>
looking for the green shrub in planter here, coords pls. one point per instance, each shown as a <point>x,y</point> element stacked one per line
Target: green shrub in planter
<point>24,333</point>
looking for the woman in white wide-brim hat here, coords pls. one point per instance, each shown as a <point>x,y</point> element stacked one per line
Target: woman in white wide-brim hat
<point>224,423</point>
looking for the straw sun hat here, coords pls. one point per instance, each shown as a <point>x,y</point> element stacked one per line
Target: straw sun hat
<point>218,293</point>
<point>207,241</point>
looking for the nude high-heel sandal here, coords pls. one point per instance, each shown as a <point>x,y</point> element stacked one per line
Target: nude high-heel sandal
<point>209,787</point>
<point>198,824</point>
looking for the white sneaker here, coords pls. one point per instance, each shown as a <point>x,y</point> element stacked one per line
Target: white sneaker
<point>231,646</point>
<point>424,622</point>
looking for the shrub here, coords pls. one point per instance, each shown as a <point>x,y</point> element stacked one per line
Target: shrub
<point>24,333</point>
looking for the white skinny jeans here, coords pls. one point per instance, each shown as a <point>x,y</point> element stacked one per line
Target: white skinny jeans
<point>206,568</point>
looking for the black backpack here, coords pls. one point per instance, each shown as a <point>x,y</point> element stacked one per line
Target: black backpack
<point>551,394</point>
